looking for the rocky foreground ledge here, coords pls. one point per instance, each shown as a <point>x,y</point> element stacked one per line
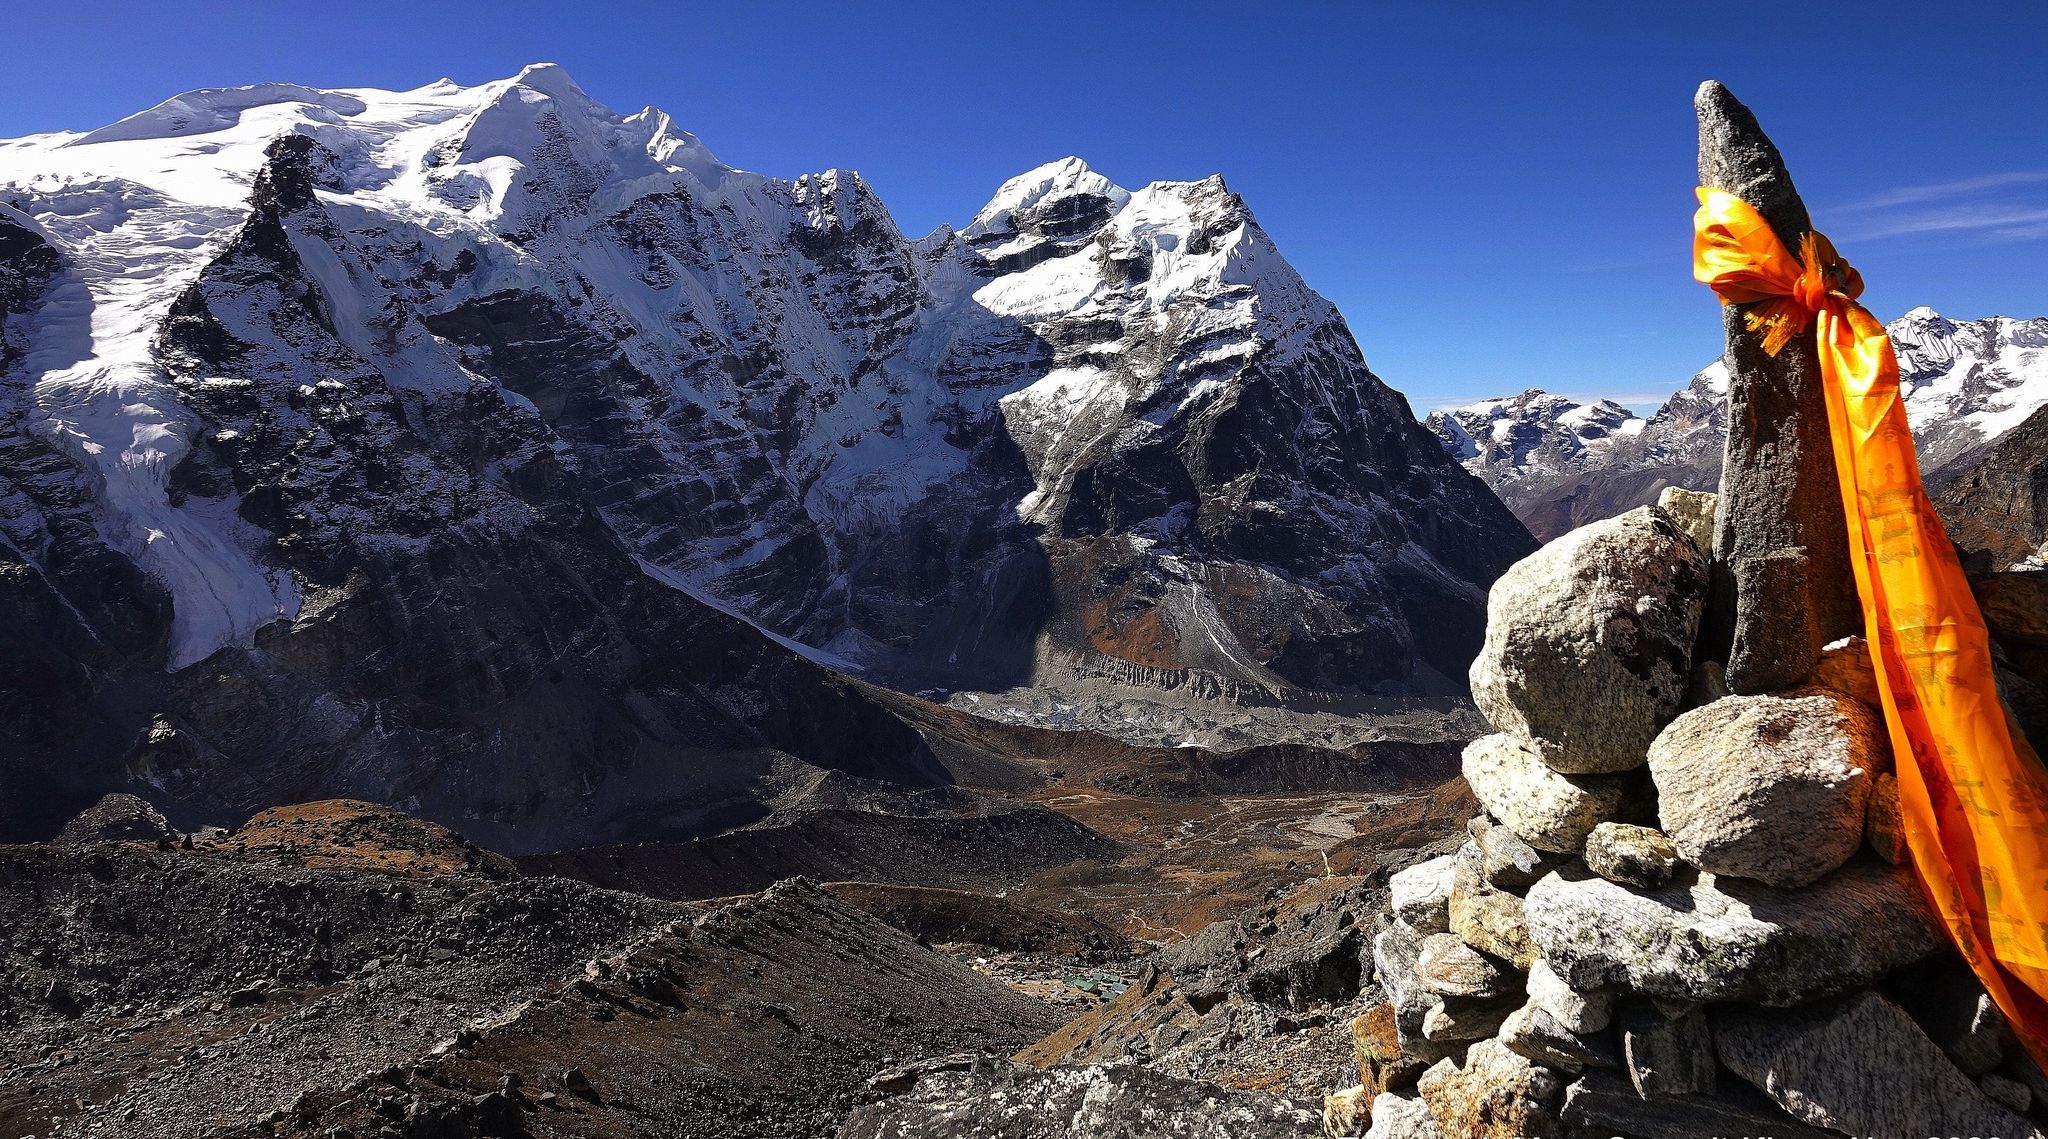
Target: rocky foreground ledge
<point>1683,912</point>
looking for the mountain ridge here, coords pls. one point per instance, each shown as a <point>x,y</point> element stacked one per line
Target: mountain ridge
<point>441,420</point>
<point>1966,384</point>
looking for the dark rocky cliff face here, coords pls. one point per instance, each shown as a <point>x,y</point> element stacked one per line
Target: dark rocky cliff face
<point>1997,496</point>
<point>471,640</point>
<point>73,613</point>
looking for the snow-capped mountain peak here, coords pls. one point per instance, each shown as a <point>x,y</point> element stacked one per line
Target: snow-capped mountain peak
<point>1066,187</point>
<point>1532,432</point>
<point>438,443</point>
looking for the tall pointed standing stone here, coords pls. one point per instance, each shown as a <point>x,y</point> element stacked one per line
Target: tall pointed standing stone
<point>1782,583</point>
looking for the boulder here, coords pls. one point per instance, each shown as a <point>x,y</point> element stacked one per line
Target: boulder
<point>1534,1033</point>
<point>1631,855</point>
<point>1883,831</point>
<point>1505,860</point>
<point>1589,641</point>
<point>1861,1066</point>
<point>1396,1117</point>
<point>1317,954</point>
<point>1348,1112</point>
<point>1845,667</point>
<point>1782,582</point>
<point>1450,968</point>
<point>2009,1092</point>
<point>1456,1020</point>
<point>1769,787</point>
<point>1579,1010</point>
<point>1548,810</point>
<point>1495,1094</point>
<point>1384,1064</point>
<point>1487,919</point>
<point>1950,1005</point>
<point>1693,510</point>
<point>1394,953</point>
<point>1707,939</point>
<point>1604,1104</point>
<point>1667,1055</point>
<point>1422,895</point>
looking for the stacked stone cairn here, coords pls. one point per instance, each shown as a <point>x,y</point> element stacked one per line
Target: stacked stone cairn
<point>1684,912</point>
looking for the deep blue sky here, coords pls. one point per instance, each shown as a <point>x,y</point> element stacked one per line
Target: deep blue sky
<point>1497,195</point>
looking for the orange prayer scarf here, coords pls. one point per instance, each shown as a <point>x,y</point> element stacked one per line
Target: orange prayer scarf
<point>1973,798</point>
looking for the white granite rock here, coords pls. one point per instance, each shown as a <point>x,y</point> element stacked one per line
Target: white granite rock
<point>1422,895</point>
<point>1487,919</point>
<point>1549,810</point>
<point>1631,855</point>
<point>1589,641</point>
<point>1705,939</point>
<point>1398,1117</point>
<point>1769,787</point>
<point>1347,1113</point>
<point>1693,510</point>
<point>1450,968</point>
<point>1579,1010</point>
<point>1495,1094</point>
<point>1534,1033</point>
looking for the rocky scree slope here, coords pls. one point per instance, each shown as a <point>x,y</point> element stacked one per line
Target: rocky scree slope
<point>345,970</point>
<point>338,968</point>
<point>1559,463</point>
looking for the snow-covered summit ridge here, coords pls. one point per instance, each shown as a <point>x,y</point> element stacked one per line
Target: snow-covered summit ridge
<point>1533,429</point>
<point>204,146</point>
<point>1040,189</point>
<point>137,208</point>
<point>1965,383</point>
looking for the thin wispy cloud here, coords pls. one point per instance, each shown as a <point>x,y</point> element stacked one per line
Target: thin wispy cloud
<point>2011,206</point>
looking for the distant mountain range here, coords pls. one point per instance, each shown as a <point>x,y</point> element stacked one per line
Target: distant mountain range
<point>1559,463</point>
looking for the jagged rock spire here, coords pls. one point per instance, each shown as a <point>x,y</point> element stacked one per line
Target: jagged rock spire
<point>1782,583</point>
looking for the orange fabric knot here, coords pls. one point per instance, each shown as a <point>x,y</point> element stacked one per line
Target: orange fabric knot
<point>1736,252</point>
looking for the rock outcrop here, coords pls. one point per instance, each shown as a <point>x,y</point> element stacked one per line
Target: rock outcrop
<point>351,971</point>
<point>1782,585</point>
<point>1997,499</point>
<point>1773,788</point>
<point>1589,641</point>
<point>1859,1065</point>
<point>1709,939</point>
<point>117,818</point>
<point>972,1097</point>
<point>1548,810</point>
